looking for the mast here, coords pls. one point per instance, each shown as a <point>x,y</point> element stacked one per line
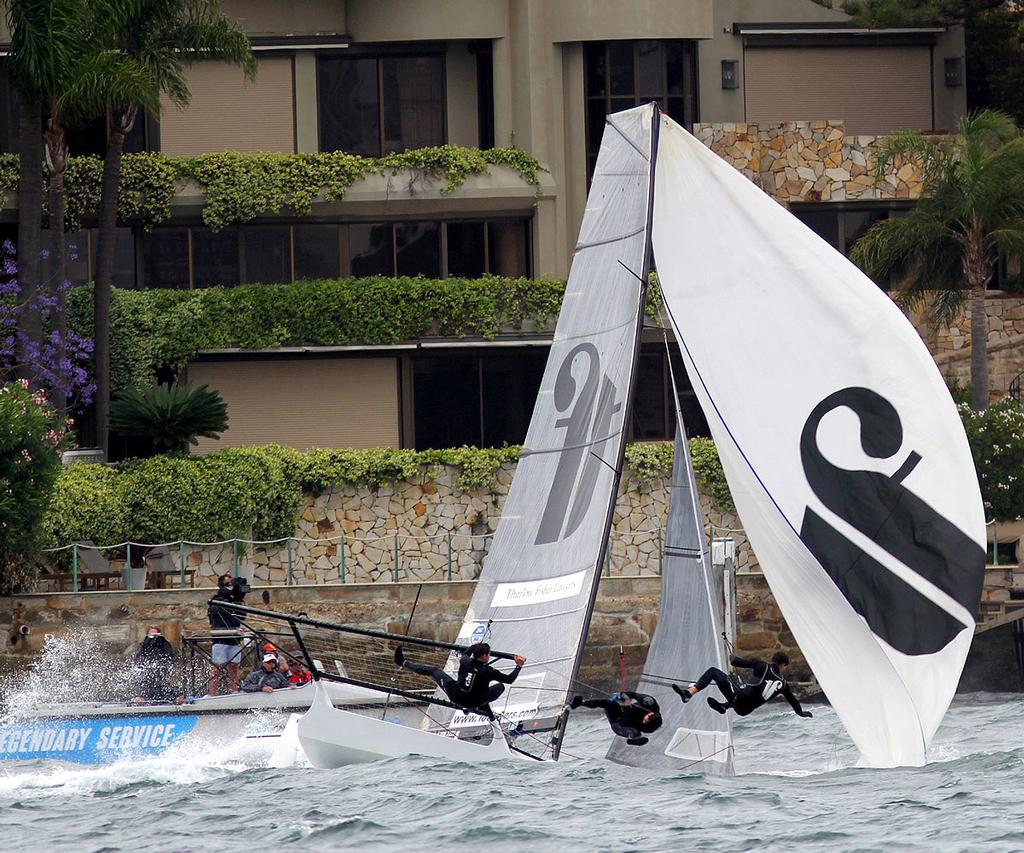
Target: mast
<point>627,411</point>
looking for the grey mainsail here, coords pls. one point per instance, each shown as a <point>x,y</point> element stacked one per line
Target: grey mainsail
<point>538,583</point>
<point>686,642</point>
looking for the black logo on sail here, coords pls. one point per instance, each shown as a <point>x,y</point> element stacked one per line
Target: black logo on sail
<point>590,406</point>
<point>896,519</point>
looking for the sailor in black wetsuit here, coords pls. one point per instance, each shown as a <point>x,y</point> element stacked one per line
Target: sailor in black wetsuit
<point>631,715</point>
<point>769,681</point>
<point>473,690</point>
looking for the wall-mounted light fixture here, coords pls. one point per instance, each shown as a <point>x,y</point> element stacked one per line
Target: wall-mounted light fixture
<point>730,73</point>
<point>954,71</point>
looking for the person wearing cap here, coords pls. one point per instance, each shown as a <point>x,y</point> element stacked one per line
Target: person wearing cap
<point>266,679</point>
<point>153,664</point>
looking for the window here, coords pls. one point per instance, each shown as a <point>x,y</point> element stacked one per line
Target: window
<point>214,257</point>
<point>447,402</point>
<point>268,254</point>
<point>165,256</point>
<point>654,416</point>
<point>509,386</point>
<point>377,105</point>
<point>624,74</point>
<point>842,225</point>
<point>467,249</point>
<point>317,254</point>
<point>91,138</point>
<point>9,113</point>
<point>418,249</point>
<point>508,247</point>
<point>123,274</point>
<point>372,249</point>
<point>484,401</point>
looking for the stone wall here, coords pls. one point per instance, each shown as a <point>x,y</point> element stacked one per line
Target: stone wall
<point>951,344</point>
<point>625,616</point>
<point>351,531</point>
<point>808,160</point>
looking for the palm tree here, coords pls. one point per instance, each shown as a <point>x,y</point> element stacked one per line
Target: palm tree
<point>64,71</point>
<point>942,254</point>
<point>162,36</point>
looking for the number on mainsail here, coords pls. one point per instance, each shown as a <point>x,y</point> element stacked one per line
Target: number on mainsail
<point>844,453</point>
<point>687,641</point>
<point>539,580</point>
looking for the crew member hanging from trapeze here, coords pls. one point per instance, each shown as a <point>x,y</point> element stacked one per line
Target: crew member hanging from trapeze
<point>473,690</point>
<point>769,681</point>
<point>631,715</point>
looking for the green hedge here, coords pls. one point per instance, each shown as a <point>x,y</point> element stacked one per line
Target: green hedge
<point>256,492</point>
<point>239,187</point>
<point>155,330</point>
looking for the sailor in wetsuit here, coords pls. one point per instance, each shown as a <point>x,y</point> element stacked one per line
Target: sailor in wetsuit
<point>769,681</point>
<point>473,690</point>
<point>631,715</point>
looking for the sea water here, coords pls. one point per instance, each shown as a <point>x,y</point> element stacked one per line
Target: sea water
<point>797,789</point>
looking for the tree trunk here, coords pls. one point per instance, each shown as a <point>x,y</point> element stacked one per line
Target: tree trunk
<point>30,214</point>
<point>977,269</point>
<point>117,128</point>
<point>57,155</point>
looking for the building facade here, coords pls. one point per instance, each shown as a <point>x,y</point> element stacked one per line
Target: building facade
<point>787,90</point>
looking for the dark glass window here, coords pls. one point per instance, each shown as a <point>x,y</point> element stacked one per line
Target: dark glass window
<point>165,258</point>
<point>268,254</point>
<point>508,251</point>
<point>650,414</point>
<point>8,113</point>
<point>624,74</point>
<point>373,106</point>
<point>316,252</point>
<point>857,222</point>
<point>484,93</point>
<point>417,249</point>
<point>477,400</point>
<point>214,257</point>
<point>467,249</point>
<point>349,105</point>
<point>447,401</point>
<point>371,249</point>
<point>90,138</point>
<point>824,223</point>
<point>510,384</point>
<point>412,92</point>
<point>123,274</point>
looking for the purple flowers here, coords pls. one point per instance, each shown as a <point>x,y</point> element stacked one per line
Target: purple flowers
<point>53,363</point>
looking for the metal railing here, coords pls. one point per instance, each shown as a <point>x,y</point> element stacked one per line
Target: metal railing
<point>339,559</point>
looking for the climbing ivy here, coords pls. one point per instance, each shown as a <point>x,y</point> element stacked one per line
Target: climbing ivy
<point>256,492</point>
<point>238,187</point>
<point>157,332</point>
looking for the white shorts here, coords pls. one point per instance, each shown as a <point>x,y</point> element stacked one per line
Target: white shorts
<point>225,653</point>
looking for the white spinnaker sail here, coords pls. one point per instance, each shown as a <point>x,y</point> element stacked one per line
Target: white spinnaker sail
<point>536,590</point>
<point>843,450</point>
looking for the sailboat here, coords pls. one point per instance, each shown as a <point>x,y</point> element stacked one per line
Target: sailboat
<point>846,458</point>
<point>687,640</point>
<point>539,581</point>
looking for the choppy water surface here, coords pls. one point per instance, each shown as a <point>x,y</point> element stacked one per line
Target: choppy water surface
<point>797,790</point>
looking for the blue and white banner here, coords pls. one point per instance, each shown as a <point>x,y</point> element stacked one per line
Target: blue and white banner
<point>99,741</point>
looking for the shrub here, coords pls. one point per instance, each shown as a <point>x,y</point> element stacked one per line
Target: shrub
<point>31,441</point>
<point>256,492</point>
<point>171,416</point>
<point>996,436</point>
